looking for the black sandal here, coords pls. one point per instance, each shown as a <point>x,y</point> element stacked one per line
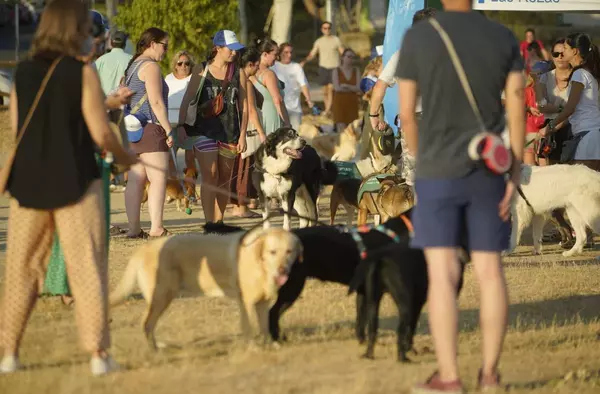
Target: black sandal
<point>142,235</point>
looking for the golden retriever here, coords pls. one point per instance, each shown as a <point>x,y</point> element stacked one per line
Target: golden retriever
<point>247,266</point>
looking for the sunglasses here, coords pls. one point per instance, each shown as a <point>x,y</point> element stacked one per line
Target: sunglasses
<point>557,54</point>
<point>183,64</point>
<point>165,45</point>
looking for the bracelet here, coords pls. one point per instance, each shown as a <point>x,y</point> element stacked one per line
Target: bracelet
<point>170,133</point>
<point>373,116</point>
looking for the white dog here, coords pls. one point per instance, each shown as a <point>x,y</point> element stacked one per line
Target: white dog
<point>573,187</point>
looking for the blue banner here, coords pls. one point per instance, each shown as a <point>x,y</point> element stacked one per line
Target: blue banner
<point>399,19</point>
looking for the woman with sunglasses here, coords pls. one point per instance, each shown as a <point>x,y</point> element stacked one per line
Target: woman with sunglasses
<point>177,81</point>
<point>143,76</point>
<point>552,93</point>
<point>581,109</point>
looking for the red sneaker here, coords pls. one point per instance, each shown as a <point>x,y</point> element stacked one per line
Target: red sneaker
<point>488,383</point>
<point>434,385</point>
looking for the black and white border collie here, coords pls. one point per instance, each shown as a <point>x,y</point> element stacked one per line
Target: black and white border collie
<point>289,170</point>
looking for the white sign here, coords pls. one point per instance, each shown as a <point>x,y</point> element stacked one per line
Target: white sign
<point>537,5</point>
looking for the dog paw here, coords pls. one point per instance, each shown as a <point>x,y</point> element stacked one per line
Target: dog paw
<point>537,252</point>
<point>161,345</point>
<point>403,359</point>
<point>368,356</point>
<point>569,253</point>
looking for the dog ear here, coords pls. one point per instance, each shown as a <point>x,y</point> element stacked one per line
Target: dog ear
<point>271,149</point>
<point>254,240</point>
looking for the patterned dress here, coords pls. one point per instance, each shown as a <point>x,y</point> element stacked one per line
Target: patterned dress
<point>57,281</point>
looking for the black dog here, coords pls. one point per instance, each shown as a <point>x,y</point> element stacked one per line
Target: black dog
<point>290,171</point>
<point>332,255</point>
<point>402,272</point>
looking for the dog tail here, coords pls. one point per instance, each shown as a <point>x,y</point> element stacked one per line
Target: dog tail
<point>329,173</point>
<point>128,281</point>
<point>362,273</point>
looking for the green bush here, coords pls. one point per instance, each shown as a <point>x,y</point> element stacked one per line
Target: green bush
<point>190,23</point>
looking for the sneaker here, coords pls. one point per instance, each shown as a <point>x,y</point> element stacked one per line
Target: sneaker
<point>101,366</point>
<point>9,364</point>
<point>434,385</point>
<point>488,383</point>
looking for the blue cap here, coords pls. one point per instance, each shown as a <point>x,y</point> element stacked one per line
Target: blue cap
<point>367,83</point>
<point>227,38</point>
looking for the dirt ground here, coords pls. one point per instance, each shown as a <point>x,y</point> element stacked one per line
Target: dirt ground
<point>552,345</point>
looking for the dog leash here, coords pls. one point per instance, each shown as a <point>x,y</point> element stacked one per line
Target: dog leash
<point>520,191</point>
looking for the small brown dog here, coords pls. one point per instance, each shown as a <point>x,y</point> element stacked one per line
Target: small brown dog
<point>393,198</point>
<point>175,191</point>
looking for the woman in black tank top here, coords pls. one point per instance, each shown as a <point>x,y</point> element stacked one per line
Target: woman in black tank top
<point>222,136</point>
<point>55,182</point>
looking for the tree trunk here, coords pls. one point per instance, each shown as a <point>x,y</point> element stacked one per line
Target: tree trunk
<point>111,11</point>
<point>282,20</point>
<point>243,21</point>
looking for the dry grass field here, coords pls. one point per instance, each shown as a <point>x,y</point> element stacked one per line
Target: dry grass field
<point>552,345</point>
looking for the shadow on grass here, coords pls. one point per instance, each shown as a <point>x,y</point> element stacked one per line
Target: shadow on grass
<point>560,312</point>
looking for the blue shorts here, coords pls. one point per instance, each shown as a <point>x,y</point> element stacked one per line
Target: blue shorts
<point>452,212</point>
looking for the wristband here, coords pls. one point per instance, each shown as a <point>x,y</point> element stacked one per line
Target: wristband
<point>170,133</point>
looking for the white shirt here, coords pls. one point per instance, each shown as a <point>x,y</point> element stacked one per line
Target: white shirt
<point>388,75</point>
<point>586,116</point>
<point>292,75</point>
<point>177,89</point>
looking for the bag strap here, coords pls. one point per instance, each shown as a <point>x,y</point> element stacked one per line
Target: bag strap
<point>139,104</point>
<point>459,70</point>
<point>36,101</point>
<point>201,84</point>
<point>142,100</point>
<point>228,76</point>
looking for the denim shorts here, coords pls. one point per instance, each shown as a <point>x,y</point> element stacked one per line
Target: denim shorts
<point>461,212</point>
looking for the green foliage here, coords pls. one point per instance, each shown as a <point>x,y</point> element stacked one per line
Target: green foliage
<point>518,22</point>
<point>190,23</point>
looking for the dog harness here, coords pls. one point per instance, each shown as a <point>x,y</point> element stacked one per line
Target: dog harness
<point>356,236</point>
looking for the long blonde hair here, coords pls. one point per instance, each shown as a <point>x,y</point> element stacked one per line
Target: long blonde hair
<point>63,27</point>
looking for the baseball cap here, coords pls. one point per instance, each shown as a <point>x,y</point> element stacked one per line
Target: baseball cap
<point>118,37</point>
<point>99,24</point>
<point>227,38</point>
<point>367,83</point>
